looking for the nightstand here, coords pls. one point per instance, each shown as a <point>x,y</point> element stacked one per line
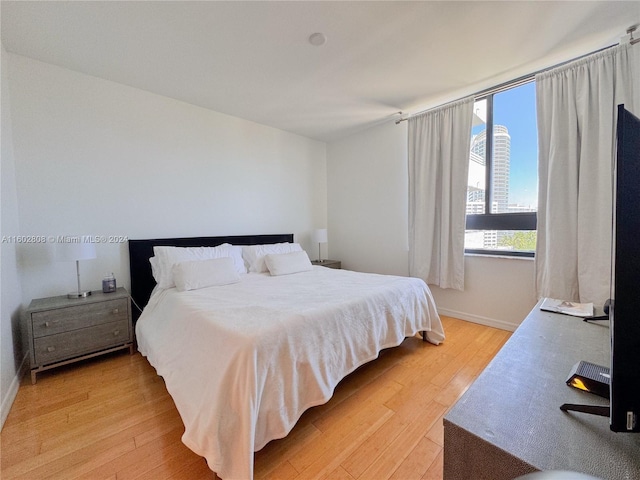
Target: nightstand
<point>328,263</point>
<point>61,330</point>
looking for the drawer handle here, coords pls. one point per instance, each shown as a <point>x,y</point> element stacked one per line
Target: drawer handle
<point>116,333</point>
<point>46,324</point>
<point>50,349</point>
<point>115,311</point>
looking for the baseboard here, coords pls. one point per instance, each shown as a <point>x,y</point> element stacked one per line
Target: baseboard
<point>489,322</point>
<point>8,399</point>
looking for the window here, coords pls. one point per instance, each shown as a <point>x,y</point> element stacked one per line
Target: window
<point>502,191</point>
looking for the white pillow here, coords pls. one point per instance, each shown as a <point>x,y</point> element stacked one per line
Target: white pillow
<point>254,254</point>
<point>167,257</point>
<point>155,269</point>
<point>197,274</point>
<point>286,263</point>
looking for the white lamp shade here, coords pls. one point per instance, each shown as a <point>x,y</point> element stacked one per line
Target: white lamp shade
<point>72,251</point>
<point>320,235</point>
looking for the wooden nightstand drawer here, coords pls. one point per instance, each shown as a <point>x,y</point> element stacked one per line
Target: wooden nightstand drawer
<point>72,318</point>
<point>53,348</point>
<point>61,330</point>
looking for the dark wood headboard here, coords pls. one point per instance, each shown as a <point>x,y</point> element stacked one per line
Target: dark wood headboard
<point>140,251</point>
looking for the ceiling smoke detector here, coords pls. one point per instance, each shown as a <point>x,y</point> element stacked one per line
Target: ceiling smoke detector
<point>317,39</point>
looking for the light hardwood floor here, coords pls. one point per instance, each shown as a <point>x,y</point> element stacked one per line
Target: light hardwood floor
<point>112,418</point>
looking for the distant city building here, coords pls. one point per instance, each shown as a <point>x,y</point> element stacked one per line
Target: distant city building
<point>476,184</point>
<point>500,184</point>
<point>501,164</point>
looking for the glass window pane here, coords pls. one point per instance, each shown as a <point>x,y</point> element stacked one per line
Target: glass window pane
<point>514,166</point>
<point>515,150</point>
<point>477,163</point>
<point>504,240</point>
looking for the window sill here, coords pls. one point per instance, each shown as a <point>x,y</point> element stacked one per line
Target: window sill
<point>506,257</point>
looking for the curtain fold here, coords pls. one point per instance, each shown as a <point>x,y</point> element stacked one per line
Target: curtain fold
<point>439,142</point>
<point>576,109</point>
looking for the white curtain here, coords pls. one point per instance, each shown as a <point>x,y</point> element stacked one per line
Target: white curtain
<point>439,142</point>
<point>576,136</point>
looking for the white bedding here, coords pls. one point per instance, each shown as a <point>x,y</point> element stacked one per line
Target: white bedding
<point>244,361</point>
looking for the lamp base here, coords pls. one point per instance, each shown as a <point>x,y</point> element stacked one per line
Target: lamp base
<point>84,294</point>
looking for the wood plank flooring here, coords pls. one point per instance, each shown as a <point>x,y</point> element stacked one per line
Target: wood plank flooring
<point>112,418</point>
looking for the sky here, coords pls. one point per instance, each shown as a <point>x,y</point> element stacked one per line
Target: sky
<point>516,110</point>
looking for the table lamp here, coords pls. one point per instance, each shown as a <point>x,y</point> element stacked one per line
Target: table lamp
<point>76,251</point>
<point>320,236</point>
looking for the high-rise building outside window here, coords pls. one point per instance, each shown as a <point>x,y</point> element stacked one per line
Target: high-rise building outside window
<point>503,173</point>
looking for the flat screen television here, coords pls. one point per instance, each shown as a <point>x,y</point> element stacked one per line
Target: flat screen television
<point>624,309</point>
<point>623,384</point>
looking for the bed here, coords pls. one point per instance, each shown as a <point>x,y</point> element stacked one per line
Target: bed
<point>243,359</point>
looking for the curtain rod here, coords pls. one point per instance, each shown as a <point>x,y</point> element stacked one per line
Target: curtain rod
<point>523,79</point>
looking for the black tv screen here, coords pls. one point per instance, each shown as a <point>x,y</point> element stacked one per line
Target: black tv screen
<point>624,311</point>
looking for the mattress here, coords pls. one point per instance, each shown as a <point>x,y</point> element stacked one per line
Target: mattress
<point>244,361</point>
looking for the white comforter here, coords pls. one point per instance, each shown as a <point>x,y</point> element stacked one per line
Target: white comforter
<point>244,361</point>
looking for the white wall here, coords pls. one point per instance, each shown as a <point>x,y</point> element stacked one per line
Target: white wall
<point>368,230</point>
<point>11,296</point>
<point>499,292</point>
<point>100,158</point>
<point>368,200</point>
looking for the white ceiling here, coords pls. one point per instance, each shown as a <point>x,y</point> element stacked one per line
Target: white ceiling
<point>253,59</point>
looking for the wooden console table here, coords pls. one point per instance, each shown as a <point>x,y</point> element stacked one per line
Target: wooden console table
<point>509,422</point>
